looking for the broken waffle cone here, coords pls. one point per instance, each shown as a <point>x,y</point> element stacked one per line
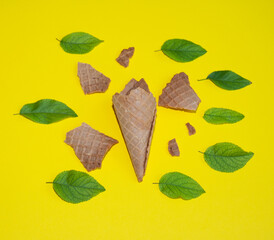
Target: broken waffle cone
<point>135,109</point>
<point>89,145</point>
<point>191,129</point>
<point>92,81</point>
<point>179,95</point>
<point>173,148</point>
<point>124,56</point>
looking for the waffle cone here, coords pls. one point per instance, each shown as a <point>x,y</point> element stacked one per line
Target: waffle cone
<point>135,109</point>
<point>89,145</point>
<point>179,95</point>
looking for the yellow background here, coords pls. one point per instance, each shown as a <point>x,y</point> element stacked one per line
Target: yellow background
<point>238,36</point>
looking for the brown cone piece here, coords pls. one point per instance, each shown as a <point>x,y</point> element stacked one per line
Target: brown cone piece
<point>179,95</point>
<point>173,148</point>
<point>124,56</point>
<point>135,109</point>
<point>89,145</point>
<point>92,81</point>
<point>191,129</point>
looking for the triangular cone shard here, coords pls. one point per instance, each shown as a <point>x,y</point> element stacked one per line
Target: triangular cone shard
<point>92,81</point>
<point>179,95</point>
<point>135,108</point>
<point>89,145</point>
<point>124,56</point>
<point>173,148</point>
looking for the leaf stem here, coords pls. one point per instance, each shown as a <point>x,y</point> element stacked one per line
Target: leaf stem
<point>16,114</point>
<point>155,183</point>
<point>58,39</point>
<point>201,152</point>
<point>49,182</point>
<point>202,79</point>
<point>157,50</point>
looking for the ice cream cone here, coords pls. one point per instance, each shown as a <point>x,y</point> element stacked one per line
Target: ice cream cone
<point>135,108</point>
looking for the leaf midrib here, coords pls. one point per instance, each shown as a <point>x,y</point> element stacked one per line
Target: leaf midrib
<point>238,80</point>
<point>247,154</point>
<point>77,186</point>
<point>81,43</point>
<point>178,186</point>
<point>207,114</point>
<point>183,50</point>
<point>45,112</point>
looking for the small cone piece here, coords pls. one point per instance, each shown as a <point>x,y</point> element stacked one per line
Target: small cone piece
<point>135,109</point>
<point>89,145</point>
<point>173,148</point>
<point>91,80</point>
<point>124,56</point>
<point>191,129</point>
<point>179,95</point>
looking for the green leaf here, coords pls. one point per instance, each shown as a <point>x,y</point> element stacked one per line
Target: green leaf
<point>222,116</point>
<point>75,187</point>
<point>178,185</point>
<point>226,157</point>
<point>228,80</point>
<point>79,43</point>
<point>47,111</point>
<point>182,50</point>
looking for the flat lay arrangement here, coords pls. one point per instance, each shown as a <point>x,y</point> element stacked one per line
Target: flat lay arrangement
<point>135,110</point>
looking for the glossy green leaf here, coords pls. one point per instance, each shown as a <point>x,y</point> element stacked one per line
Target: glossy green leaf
<point>182,50</point>
<point>228,80</point>
<point>79,43</point>
<point>75,187</point>
<point>177,185</point>
<point>47,111</point>
<point>222,116</point>
<point>226,157</point>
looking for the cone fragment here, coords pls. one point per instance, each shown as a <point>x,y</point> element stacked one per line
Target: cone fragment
<point>91,80</point>
<point>124,56</point>
<point>173,148</point>
<point>135,109</point>
<point>179,95</point>
<point>191,129</point>
<point>89,145</point>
